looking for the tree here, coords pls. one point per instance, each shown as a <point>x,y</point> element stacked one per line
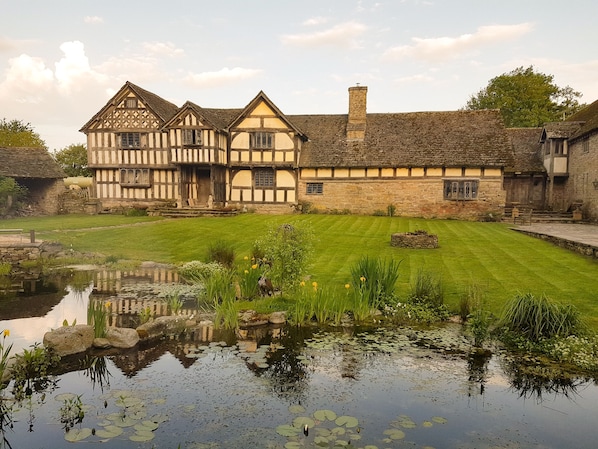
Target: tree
<point>11,194</point>
<point>526,98</point>
<point>73,160</point>
<point>15,133</point>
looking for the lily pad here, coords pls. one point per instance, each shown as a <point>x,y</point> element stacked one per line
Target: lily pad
<point>292,445</point>
<point>427,424</point>
<point>75,435</point>
<point>323,415</point>
<point>347,421</point>
<point>302,421</point>
<point>394,434</point>
<point>296,408</point>
<point>439,420</point>
<point>286,430</point>
<point>142,436</point>
<point>65,397</point>
<point>109,431</point>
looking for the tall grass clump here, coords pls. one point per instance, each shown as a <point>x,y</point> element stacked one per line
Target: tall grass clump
<point>221,252</point>
<point>373,280</point>
<point>317,304</point>
<point>4,355</point>
<point>477,318</point>
<point>249,274</point>
<point>97,316</point>
<point>538,318</point>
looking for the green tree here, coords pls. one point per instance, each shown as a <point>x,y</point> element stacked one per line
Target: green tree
<point>15,133</point>
<point>526,98</point>
<point>73,160</point>
<point>11,194</point>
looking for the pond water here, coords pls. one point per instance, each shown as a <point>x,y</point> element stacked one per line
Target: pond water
<point>352,387</point>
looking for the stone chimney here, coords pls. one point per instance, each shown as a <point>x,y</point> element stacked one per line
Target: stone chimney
<point>357,112</point>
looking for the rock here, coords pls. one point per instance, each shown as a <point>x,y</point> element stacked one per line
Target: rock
<point>68,340</point>
<point>122,337</point>
<point>278,318</point>
<point>163,325</point>
<point>101,343</point>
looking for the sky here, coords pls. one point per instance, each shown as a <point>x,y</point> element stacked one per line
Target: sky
<point>62,60</point>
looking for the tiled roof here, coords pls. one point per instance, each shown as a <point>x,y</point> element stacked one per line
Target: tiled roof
<point>434,139</point>
<point>589,117</point>
<point>560,130</point>
<point>527,150</point>
<point>29,163</point>
<point>163,108</point>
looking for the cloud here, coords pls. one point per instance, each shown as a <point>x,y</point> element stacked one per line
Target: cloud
<point>342,35</point>
<point>221,77</point>
<point>443,48</point>
<point>315,21</point>
<point>93,19</point>
<point>163,48</point>
<point>27,79</point>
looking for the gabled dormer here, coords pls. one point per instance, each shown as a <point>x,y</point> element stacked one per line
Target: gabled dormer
<point>262,135</point>
<point>196,137</point>
<point>555,146</point>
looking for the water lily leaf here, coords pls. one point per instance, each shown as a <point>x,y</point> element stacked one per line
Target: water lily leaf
<point>302,421</point>
<point>292,445</point>
<point>439,420</point>
<point>321,441</point>
<point>338,431</point>
<point>65,397</point>
<point>427,424</point>
<point>347,421</point>
<point>142,436</point>
<point>151,425</point>
<point>323,432</point>
<point>142,428</point>
<point>394,434</point>
<point>296,408</point>
<point>129,401</point>
<point>160,418</point>
<point>370,446</point>
<point>323,415</point>
<point>125,422</point>
<point>286,430</point>
<point>109,432</point>
<point>75,435</point>
<point>341,443</point>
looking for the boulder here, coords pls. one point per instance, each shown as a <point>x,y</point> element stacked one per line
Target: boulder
<point>68,340</point>
<point>122,337</point>
<point>277,318</point>
<point>163,325</point>
<point>101,343</point>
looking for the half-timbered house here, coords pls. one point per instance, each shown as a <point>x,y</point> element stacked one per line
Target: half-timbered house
<point>147,152</point>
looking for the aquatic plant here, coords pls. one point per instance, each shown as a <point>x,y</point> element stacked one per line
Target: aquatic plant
<point>175,304</point>
<point>145,315</point>
<point>71,411</point>
<point>97,316</point>
<point>374,280</point>
<point>197,272</point>
<point>31,370</point>
<point>4,355</point>
<point>249,275</point>
<point>537,318</point>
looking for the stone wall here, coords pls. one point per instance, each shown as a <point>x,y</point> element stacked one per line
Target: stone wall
<point>421,197</point>
<point>19,252</point>
<point>583,171</point>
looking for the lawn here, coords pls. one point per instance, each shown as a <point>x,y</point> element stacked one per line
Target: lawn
<point>490,255</point>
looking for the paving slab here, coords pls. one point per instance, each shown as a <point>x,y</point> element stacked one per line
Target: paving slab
<point>575,232</point>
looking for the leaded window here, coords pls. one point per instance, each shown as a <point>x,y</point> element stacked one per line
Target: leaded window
<point>315,188</point>
<point>263,177</point>
<point>136,177</point>
<point>130,140</point>
<point>192,137</point>
<point>262,140</point>
<point>465,189</point>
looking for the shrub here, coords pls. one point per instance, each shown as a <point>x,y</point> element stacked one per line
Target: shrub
<point>391,208</point>
<point>11,195</point>
<point>197,272</point>
<point>221,252</point>
<point>288,248</point>
<point>540,318</point>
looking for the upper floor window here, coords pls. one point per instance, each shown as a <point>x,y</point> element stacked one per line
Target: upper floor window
<point>131,103</point>
<point>192,137</point>
<point>466,189</point>
<point>263,177</point>
<point>559,147</point>
<point>262,140</point>
<point>130,140</point>
<point>585,144</point>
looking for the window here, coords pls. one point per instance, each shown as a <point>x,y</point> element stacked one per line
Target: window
<point>131,103</point>
<point>263,177</point>
<point>315,188</point>
<point>585,145</point>
<point>192,137</point>
<point>262,140</point>
<point>135,177</point>
<point>130,140</point>
<point>461,190</point>
<point>559,147</point>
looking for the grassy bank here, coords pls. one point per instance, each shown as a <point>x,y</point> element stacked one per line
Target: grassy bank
<point>501,261</point>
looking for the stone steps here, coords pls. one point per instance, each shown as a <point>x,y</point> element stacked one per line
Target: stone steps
<point>191,212</point>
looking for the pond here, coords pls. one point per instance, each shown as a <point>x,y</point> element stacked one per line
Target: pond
<point>351,387</point>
